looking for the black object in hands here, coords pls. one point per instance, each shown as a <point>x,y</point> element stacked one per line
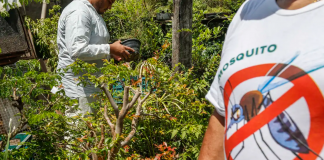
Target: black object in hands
<point>134,44</point>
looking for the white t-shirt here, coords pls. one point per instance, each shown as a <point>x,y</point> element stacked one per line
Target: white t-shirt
<point>270,83</point>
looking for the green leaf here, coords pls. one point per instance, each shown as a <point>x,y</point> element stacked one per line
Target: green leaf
<point>108,140</point>
<point>183,135</point>
<point>197,134</point>
<point>174,132</point>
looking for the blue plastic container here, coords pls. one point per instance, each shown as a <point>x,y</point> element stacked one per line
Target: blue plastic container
<point>118,88</point>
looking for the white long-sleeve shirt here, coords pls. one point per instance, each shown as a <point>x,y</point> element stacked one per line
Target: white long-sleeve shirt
<point>82,34</point>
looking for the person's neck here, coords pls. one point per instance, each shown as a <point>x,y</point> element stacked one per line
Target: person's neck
<point>293,4</point>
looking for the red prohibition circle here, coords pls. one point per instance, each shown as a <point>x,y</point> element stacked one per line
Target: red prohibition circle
<point>303,86</point>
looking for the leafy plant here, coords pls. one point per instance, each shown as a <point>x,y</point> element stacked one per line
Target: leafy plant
<point>167,152</point>
<point>127,19</point>
<point>5,4</point>
<point>164,115</point>
<point>44,34</point>
<point>29,90</point>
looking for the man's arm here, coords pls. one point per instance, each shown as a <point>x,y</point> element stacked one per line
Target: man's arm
<point>77,37</point>
<point>212,147</point>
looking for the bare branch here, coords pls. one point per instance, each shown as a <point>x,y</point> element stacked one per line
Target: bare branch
<point>136,116</point>
<point>131,134</point>
<point>88,146</point>
<point>50,105</point>
<point>31,89</point>
<point>132,89</point>
<point>94,156</point>
<point>123,112</point>
<point>109,155</point>
<point>92,134</point>
<point>119,124</point>
<point>44,97</point>
<point>89,125</point>
<point>111,125</point>
<point>131,104</point>
<point>102,138</point>
<point>95,136</point>
<point>134,124</point>
<point>111,99</point>
<point>146,96</point>
<point>126,96</point>
<point>83,148</point>
<point>57,99</point>
<point>15,98</point>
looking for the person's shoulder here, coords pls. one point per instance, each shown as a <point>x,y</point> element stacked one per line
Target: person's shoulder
<point>250,6</point>
<point>75,6</point>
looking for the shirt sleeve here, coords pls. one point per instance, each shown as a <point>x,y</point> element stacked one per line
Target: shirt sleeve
<point>77,38</point>
<point>215,97</point>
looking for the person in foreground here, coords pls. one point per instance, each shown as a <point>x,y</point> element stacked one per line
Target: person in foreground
<point>268,90</point>
<point>82,34</point>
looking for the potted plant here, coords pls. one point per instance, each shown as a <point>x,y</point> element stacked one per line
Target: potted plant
<point>134,44</point>
<point>163,16</point>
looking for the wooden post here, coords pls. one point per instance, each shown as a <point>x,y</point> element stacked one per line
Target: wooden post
<point>43,15</point>
<point>181,33</point>
<point>44,6</point>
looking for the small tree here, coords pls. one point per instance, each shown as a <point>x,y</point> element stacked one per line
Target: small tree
<point>134,104</point>
<point>133,99</point>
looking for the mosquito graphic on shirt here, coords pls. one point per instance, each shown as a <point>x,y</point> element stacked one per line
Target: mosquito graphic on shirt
<point>282,128</point>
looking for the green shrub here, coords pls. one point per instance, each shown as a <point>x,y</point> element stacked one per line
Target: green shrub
<point>44,34</point>
<point>134,19</point>
<point>174,116</point>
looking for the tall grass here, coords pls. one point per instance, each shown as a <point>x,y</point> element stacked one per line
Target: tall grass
<point>5,156</point>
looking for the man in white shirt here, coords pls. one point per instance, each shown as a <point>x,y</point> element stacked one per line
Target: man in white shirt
<point>82,34</point>
<point>268,90</point>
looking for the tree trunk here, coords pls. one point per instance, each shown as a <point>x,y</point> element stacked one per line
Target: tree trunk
<point>181,33</point>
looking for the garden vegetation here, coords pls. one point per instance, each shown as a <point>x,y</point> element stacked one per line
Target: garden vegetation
<point>145,110</point>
